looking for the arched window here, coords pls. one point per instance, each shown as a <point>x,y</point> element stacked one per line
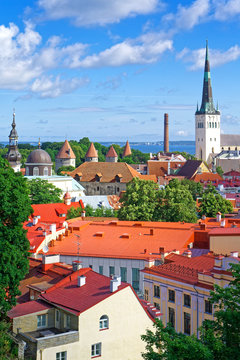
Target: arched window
<point>35,171</point>
<point>45,171</point>
<point>103,322</point>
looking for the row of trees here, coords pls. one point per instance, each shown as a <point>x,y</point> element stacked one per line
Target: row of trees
<point>143,201</point>
<point>89,211</point>
<point>219,338</point>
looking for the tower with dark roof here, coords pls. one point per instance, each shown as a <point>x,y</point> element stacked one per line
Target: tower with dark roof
<point>13,156</point>
<point>207,120</point>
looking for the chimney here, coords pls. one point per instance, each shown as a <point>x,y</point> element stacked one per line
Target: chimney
<point>81,280</point>
<point>113,285</point>
<point>35,220</point>
<point>48,260</point>
<point>151,231</point>
<point>166,134</point>
<point>187,253</point>
<point>219,216</point>
<point>76,265</point>
<point>223,223</point>
<point>168,168</point>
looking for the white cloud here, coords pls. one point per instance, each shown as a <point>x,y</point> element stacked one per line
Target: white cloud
<point>49,87</point>
<point>98,12</point>
<point>188,17</point>
<point>182,133</point>
<point>146,49</point>
<point>217,58</point>
<point>226,9</point>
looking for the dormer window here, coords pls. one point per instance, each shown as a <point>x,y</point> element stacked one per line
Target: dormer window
<point>118,177</point>
<point>98,177</point>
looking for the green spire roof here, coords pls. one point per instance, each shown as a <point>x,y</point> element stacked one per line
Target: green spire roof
<point>207,106</point>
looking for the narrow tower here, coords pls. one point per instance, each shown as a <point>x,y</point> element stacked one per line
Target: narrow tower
<point>166,134</point>
<point>13,156</point>
<point>207,120</point>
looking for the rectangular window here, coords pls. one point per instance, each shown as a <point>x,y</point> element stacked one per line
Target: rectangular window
<point>96,349</point>
<point>187,300</point>
<point>156,291</point>
<point>187,323</point>
<point>208,307</point>
<point>171,316</point>
<point>61,355</point>
<point>111,270</point>
<point>135,278</point>
<point>67,321</point>
<point>146,294</point>
<point>41,320</point>
<point>171,295</point>
<point>100,269</point>
<point>123,274</point>
<point>157,306</point>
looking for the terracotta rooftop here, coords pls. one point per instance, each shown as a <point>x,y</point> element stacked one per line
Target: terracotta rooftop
<point>66,152</point>
<point>189,168</point>
<point>127,150</point>
<point>160,168</point>
<point>109,171</point>
<point>125,239</point>
<point>92,152</point>
<point>206,177</point>
<point>232,173</point>
<point>179,267</point>
<point>111,152</point>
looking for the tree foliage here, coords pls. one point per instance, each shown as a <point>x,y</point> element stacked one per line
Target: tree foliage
<point>211,203</point>
<point>64,168</point>
<point>139,201</point>
<point>15,209</point>
<point>42,192</point>
<point>89,211</point>
<point>8,349</point>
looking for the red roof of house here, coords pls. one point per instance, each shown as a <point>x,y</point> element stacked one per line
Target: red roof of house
<point>232,173</point>
<point>111,152</point>
<point>179,267</point>
<point>206,177</point>
<point>75,299</point>
<point>91,153</point>
<point>66,152</point>
<point>127,150</point>
<point>125,239</point>
<point>28,308</point>
<point>160,168</point>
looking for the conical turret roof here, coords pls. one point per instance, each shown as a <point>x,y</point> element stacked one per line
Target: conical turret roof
<point>111,152</point>
<point>92,152</point>
<point>66,152</point>
<point>127,150</point>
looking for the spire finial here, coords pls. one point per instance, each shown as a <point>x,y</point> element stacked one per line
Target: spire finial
<point>13,123</point>
<point>39,143</point>
<point>206,49</point>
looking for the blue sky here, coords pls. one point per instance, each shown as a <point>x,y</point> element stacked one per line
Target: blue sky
<point>109,70</point>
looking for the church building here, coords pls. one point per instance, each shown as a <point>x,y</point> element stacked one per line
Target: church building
<point>209,142</point>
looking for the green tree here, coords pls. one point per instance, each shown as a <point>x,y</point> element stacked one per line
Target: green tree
<point>219,170</point>
<point>211,203</point>
<point>15,208</point>
<point>195,188</point>
<point>222,335</point>
<point>165,343</point>
<point>139,201</point>
<point>8,349</point>
<point>42,192</point>
<point>175,203</point>
<point>65,168</point>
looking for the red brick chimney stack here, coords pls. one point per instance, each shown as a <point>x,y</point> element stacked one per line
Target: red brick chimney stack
<point>166,134</point>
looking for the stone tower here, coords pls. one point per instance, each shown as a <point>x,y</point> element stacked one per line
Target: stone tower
<point>13,156</point>
<point>207,120</point>
<point>65,156</point>
<point>91,155</point>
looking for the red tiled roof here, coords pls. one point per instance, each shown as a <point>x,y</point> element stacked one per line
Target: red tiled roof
<point>91,153</point>
<point>127,150</point>
<point>232,173</point>
<point>28,308</point>
<point>111,152</point>
<point>160,168</point>
<point>225,231</point>
<point>66,152</point>
<point>182,268</point>
<point>77,299</point>
<point>109,172</point>
<point>206,177</point>
<point>49,213</point>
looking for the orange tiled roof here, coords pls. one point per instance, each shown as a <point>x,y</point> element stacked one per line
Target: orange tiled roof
<point>66,152</point>
<point>125,239</point>
<point>92,152</point>
<point>109,172</point>
<point>160,168</point>
<point>111,152</point>
<point>127,150</point>
<point>206,177</point>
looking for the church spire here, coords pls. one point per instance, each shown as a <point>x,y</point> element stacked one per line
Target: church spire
<point>207,106</point>
<point>13,156</point>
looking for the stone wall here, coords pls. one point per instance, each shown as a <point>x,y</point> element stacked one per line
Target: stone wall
<point>98,188</point>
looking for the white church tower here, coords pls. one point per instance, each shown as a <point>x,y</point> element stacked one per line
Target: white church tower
<point>207,121</point>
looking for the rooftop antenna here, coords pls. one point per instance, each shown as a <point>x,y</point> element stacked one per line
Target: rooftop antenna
<point>78,246</point>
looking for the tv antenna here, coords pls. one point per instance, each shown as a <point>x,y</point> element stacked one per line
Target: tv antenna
<point>78,245</point>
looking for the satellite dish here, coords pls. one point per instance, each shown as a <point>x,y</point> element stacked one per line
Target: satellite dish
<point>45,249</point>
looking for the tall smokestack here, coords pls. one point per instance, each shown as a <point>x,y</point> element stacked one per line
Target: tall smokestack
<point>166,134</point>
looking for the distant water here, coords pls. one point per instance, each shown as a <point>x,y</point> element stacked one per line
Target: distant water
<point>150,147</point>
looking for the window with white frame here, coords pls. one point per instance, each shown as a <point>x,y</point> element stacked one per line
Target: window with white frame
<point>41,320</point>
<point>61,355</point>
<point>96,349</point>
<point>103,322</point>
